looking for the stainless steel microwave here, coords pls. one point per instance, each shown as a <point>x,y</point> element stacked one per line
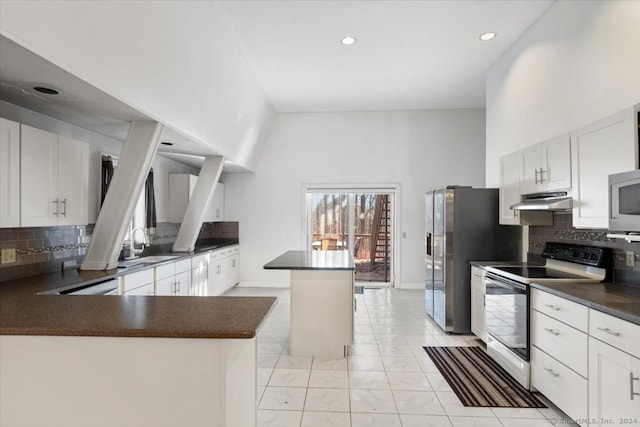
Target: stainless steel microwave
<point>624,201</point>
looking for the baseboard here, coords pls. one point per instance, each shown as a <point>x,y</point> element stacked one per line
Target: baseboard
<point>410,285</point>
<point>263,284</point>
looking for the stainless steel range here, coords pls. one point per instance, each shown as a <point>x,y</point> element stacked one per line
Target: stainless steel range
<point>507,299</point>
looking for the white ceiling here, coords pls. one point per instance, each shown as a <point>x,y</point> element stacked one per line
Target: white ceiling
<point>417,54</point>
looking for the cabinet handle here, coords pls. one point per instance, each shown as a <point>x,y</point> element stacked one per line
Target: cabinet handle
<point>542,171</point>
<point>551,331</point>
<point>57,207</point>
<point>609,331</point>
<point>64,203</point>
<point>552,307</point>
<point>555,374</point>
<point>631,380</point>
<point>536,178</point>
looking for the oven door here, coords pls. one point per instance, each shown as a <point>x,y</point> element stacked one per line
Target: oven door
<point>507,313</point>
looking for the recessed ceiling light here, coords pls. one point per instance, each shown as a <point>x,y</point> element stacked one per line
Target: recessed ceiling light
<point>46,90</point>
<point>166,143</point>
<point>487,36</point>
<point>348,40</point>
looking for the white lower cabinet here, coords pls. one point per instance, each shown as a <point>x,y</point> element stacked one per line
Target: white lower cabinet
<point>478,316</point>
<point>200,274</point>
<point>222,271</point>
<point>138,283</point>
<point>182,281</point>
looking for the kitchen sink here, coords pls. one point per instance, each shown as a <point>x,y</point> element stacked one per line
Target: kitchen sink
<point>146,260</point>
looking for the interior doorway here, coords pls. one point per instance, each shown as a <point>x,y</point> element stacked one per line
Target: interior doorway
<point>359,220</point>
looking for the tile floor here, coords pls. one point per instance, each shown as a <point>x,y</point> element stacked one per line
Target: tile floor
<point>388,380</point>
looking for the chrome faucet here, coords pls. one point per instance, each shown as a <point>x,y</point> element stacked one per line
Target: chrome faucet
<point>133,252</point>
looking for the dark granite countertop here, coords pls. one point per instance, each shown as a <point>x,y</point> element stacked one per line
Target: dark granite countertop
<point>24,312</point>
<point>312,260</point>
<point>617,299</point>
<point>484,264</point>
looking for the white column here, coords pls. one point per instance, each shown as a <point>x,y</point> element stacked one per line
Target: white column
<point>128,181</point>
<point>200,199</point>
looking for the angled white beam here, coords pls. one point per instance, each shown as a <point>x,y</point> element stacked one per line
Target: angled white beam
<point>128,180</point>
<point>200,199</point>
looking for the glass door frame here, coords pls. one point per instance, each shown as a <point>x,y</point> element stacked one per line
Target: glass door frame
<point>351,189</point>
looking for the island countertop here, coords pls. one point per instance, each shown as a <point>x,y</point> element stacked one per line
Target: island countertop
<point>312,260</point>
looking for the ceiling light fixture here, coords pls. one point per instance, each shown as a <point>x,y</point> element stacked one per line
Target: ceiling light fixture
<point>487,36</point>
<point>46,90</point>
<point>348,40</point>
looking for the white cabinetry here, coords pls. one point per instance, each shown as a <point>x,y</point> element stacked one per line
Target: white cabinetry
<point>614,370</point>
<point>138,283</point>
<point>9,173</point>
<point>547,166</point>
<point>478,316</point>
<point>180,189</point>
<point>607,146</point>
<point>200,274</point>
<point>183,278</point>
<point>54,179</point>
<point>559,344</point>
<point>223,270</point>
<point>173,278</point>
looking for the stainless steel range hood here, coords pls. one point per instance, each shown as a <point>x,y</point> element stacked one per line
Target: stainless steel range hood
<point>556,201</point>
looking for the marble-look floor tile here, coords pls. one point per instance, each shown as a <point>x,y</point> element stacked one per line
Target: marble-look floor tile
<point>283,398</point>
<point>525,422</point>
<point>418,402</point>
<point>271,418</point>
<point>399,350</point>
<point>325,419</point>
<point>409,420</point>
<point>517,413</point>
<point>327,399</point>
<point>408,381</point>
<point>365,363</point>
<point>475,422</point>
<point>364,350</point>
<point>290,362</point>
<point>379,401</point>
<point>368,380</point>
<point>437,381</point>
<point>263,376</point>
<point>267,360</point>
<point>390,339</point>
<point>289,378</point>
<point>375,420</point>
<point>330,364</point>
<point>329,379</point>
<point>453,406</point>
<point>400,364</point>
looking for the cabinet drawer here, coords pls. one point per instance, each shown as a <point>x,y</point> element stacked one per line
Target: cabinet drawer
<point>568,345</point>
<point>566,389</point>
<point>615,332</point>
<point>566,311</point>
<point>183,265</point>
<point>142,290</point>
<point>165,270</point>
<point>137,279</point>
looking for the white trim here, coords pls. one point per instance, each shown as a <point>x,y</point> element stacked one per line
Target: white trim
<point>392,188</point>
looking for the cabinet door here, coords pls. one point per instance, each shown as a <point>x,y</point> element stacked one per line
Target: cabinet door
<point>612,382</point>
<point>73,182</point>
<point>598,150</point>
<point>556,171</point>
<point>510,176</point>
<point>231,273</point>
<point>39,178</point>
<point>9,173</point>
<point>478,317</point>
<point>147,289</point>
<point>199,275</point>
<point>183,284</point>
<point>165,286</point>
<point>531,170</point>
<point>216,274</point>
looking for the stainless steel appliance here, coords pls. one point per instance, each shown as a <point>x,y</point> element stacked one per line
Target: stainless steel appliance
<point>106,287</point>
<point>624,201</point>
<point>507,299</point>
<point>461,226</point>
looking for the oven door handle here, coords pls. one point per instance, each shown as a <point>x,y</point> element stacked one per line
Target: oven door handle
<point>504,284</point>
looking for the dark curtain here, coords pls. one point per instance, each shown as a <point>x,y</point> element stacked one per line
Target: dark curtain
<point>150,203</point>
<point>107,175</point>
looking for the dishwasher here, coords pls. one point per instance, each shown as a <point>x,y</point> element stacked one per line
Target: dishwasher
<point>106,287</point>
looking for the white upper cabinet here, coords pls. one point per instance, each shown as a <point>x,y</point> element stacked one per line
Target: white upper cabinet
<point>547,166</point>
<point>556,168</point>
<point>180,189</point>
<point>510,176</point>
<point>54,179</point>
<point>9,173</point>
<point>607,146</point>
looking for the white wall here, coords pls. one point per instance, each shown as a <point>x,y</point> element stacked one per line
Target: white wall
<point>99,144</point>
<point>419,150</point>
<point>579,62</point>
<point>171,60</point>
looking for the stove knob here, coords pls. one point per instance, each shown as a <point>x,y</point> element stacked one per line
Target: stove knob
<point>586,255</point>
<point>594,256</point>
<point>575,254</point>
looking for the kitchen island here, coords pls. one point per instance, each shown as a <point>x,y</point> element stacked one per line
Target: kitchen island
<point>93,361</point>
<point>322,301</point>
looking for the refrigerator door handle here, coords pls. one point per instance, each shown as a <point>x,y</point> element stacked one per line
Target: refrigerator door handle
<point>429,244</point>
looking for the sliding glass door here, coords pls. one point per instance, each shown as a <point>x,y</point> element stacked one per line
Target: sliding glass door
<point>356,220</point>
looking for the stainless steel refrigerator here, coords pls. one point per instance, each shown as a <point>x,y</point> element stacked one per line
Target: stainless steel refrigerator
<point>461,226</point>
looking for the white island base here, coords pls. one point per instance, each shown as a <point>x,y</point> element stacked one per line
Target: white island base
<point>322,306</point>
<point>72,381</point>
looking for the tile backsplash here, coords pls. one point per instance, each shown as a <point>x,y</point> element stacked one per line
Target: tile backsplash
<point>562,231</point>
<point>41,250</point>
